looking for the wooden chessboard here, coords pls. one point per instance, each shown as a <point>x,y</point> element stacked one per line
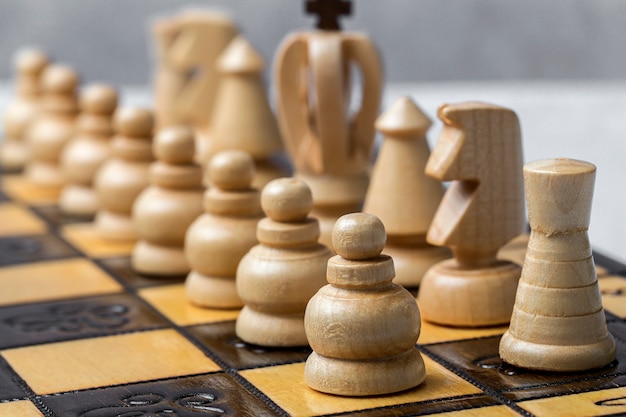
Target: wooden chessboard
<point>82,335</point>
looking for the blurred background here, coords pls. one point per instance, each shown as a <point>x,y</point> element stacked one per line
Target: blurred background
<point>560,64</point>
<point>421,40</point>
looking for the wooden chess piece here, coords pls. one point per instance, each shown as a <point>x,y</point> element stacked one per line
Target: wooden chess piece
<point>87,150</point>
<point>242,118</point>
<point>124,175</point>
<point>29,65</point>
<point>53,127</point>
<point>163,212</point>
<point>362,327</point>
<point>558,322</point>
<point>277,278</point>
<point>219,238</point>
<point>401,195</point>
<point>186,80</point>
<point>480,151</point>
<point>329,144</point>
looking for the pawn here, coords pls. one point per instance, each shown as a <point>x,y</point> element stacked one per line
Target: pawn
<point>402,195</point>
<point>164,211</point>
<point>53,127</point>
<point>362,327</point>
<point>558,322</point>
<point>29,65</point>
<point>125,174</point>
<point>219,238</point>
<point>87,151</point>
<point>242,118</point>
<point>278,277</point>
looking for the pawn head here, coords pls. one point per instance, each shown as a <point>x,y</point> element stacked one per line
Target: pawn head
<point>231,170</point>
<point>358,236</point>
<point>287,200</point>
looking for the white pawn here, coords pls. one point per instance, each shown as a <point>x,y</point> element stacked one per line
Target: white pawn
<point>124,176</point>
<point>163,211</point>
<point>87,151</point>
<point>277,278</point>
<point>219,238</point>
<point>362,327</point>
<point>53,127</point>
<point>29,65</point>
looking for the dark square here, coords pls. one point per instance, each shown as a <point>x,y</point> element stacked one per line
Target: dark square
<point>53,215</point>
<point>121,269</point>
<point>205,395</point>
<point>9,389</point>
<point>221,339</point>
<point>80,318</point>
<point>24,249</point>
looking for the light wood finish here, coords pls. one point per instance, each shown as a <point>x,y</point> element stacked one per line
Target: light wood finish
<point>124,175</point>
<point>23,408</point>
<point>163,212</point>
<point>433,333</point>
<point>277,277</point>
<point>87,238</point>
<point>402,195</point>
<point>22,189</point>
<point>171,301</point>
<point>613,291</point>
<point>480,151</point>
<point>106,361</point>
<point>242,118</point>
<point>53,280</point>
<point>187,47</point>
<point>595,403</point>
<point>558,323</point>
<point>87,150</point>
<point>329,144</point>
<point>53,127</point>
<point>286,386</point>
<point>220,237</point>
<point>362,327</point>
<point>491,411</point>
<point>29,65</point>
<point>17,220</point>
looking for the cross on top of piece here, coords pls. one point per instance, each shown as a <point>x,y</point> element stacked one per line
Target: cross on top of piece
<point>328,12</point>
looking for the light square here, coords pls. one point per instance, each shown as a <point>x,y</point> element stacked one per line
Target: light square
<point>22,408</point>
<point>172,302</point>
<point>285,385</point>
<point>85,237</point>
<point>432,333</point>
<point>52,280</point>
<point>16,220</point>
<point>594,403</point>
<point>491,411</point>
<point>20,188</point>
<point>104,361</point>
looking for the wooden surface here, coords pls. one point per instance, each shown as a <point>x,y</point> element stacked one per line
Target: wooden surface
<point>62,291</point>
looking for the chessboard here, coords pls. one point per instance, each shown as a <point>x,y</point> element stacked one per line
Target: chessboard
<point>81,334</point>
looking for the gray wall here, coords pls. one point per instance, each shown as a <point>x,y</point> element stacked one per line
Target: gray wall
<point>421,40</point>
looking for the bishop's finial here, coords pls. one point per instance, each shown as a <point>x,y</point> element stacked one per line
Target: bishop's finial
<point>328,12</point>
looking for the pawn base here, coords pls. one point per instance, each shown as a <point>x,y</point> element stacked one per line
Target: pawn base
<point>557,358</point>
<point>277,330</point>
<point>454,296</point>
<point>155,260</point>
<point>212,292</point>
<point>367,377</point>
<point>45,174</point>
<point>13,155</point>
<point>115,226</point>
<point>78,200</point>
<point>412,262</point>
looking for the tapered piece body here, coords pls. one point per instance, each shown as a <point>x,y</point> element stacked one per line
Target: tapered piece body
<point>125,174</point>
<point>242,118</point>
<point>277,277</point>
<point>53,127</point>
<point>29,65</point>
<point>220,237</point>
<point>87,150</point>
<point>480,151</point>
<point>558,322</point>
<point>163,212</point>
<point>402,196</point>
<point>362,327</point>
<point>329,143</point>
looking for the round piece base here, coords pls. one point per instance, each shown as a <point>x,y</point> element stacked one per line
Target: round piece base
<point>78,201</point>
<point>367,377</point>
<point>276,330</point>
<point>115,226</point>
<point>557,358</point>
<point>412,263</point>
<point>462,297</point>
<point>212,292</point>
<point>155,260</point>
